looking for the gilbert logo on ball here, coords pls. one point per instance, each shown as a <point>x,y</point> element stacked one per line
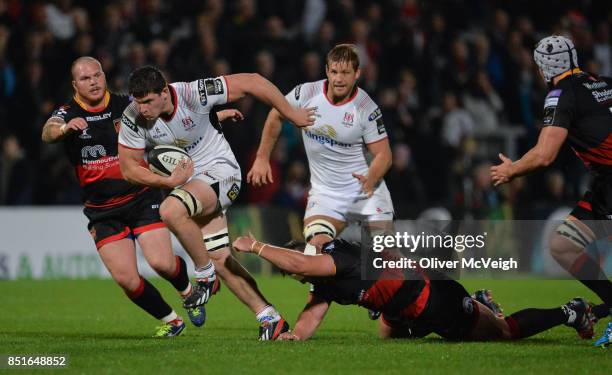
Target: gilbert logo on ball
<point>163,159</point>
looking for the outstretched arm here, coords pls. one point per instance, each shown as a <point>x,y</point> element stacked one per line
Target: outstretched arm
<point>261,172</point>
<point>254,84</point>
<point>290,261</point>
<point>541,155</point>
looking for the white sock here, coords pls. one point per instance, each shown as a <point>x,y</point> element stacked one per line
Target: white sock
<point>185,293</point>
<point>268,312</point>
<point>170,317</point>
<point>206,272</point>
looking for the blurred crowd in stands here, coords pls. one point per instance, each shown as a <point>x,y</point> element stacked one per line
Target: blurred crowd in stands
<point>455,80</point>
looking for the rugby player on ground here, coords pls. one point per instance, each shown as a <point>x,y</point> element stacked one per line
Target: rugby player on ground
<point>412,303</point>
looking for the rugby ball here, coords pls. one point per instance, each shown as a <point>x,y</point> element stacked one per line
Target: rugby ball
<point>163,159</point>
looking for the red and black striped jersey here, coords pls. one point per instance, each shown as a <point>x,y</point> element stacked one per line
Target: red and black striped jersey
<point>582,104</point>
<point>399,292</point>
<point>94,153</point>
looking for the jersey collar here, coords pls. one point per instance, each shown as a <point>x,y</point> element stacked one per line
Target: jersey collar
<point>345,101</point>
<point>568,73</point>
<point>87,108</point>
<point>174,99</point>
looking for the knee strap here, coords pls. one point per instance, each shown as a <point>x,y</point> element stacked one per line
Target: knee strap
<point>573,232</point>
<point>217,241</point>
<point>319,226</point>
<point>193,206</point>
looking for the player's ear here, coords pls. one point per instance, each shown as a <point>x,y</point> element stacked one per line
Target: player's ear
<point>165,93</point>
<point>358,73</point>
<point>74,85</point>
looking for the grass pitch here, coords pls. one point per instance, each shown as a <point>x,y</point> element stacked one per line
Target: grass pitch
<point>101,331</point>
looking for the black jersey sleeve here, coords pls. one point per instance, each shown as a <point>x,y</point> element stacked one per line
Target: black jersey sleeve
<point>322,291</point>
<point>345,256</point>
<point>559,107</point>
<point>123,100</point>
<point>64,113</point>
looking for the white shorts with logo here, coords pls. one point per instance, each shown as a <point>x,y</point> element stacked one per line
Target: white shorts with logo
<point>378,207</point>
<point>224,178</point>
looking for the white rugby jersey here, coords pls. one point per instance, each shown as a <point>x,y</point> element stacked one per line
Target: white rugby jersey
<point>335,144</point>
<point>193,126</point>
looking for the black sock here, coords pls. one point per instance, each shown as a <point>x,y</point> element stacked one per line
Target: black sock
<point>149,299</point>
<point>601,311</point>
<point>529,322</point>
<point>591,275</point>
<point>180,279</point>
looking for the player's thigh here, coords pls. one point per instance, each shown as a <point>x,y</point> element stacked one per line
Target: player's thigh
<point>398,329</point>
<point>450,310</point>
<point>151,232</point>
<point>157,249</point>
<point>488,326</point>
<point>119,258</point>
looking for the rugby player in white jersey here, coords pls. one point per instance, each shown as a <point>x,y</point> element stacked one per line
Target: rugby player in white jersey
<point>182,114</point>
<point>343,186</point>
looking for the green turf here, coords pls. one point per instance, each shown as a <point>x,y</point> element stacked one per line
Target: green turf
<point>102,332</point>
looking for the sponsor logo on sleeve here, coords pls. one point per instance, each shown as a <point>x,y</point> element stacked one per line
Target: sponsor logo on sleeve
<point>297,90</point>
<point>214,86</point>
<point>127,122</point>
<point>380,126</point>
<point>60,112</point>
<point>552,99</point>
<point>549,115</point>
<point>202,92</point>
<point>233,192</point>
<point>374,115</point>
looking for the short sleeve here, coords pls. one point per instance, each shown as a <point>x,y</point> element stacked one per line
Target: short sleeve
<point>373,126</point>
<point>210,91</point>
<point>63,113</point>
<point>294,96</point>
<point>345,256</point>
<point>130,135</point>
<point>559,108</point>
